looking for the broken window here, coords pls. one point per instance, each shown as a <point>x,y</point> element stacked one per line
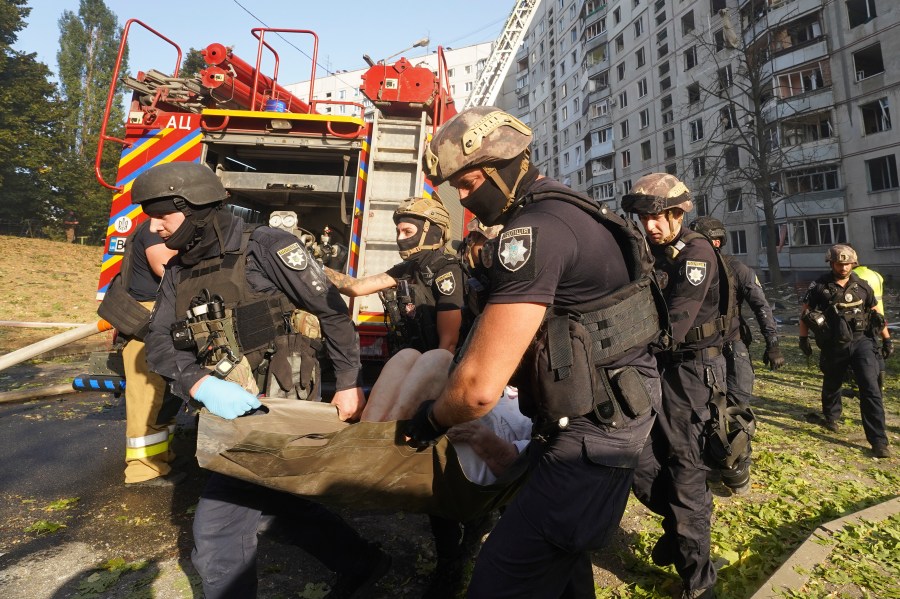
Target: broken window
<point>876,116</point>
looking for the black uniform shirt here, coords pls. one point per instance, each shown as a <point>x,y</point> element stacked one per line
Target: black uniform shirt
<point>691,288</point>
<point>296,275</point>
<point>749,290</point>
<point>144,283</point>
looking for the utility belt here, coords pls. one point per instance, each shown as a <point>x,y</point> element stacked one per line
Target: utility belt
<point>707,353</point>
<point>707,329</point>
<point>563,374</point>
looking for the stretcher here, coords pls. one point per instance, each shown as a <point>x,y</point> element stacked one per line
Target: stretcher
<point>303,448</point>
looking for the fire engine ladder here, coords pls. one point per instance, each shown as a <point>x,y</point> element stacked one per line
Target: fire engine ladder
<point>487,87</point>
<point>394,174</point>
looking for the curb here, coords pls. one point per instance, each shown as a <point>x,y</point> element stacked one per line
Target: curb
<point>816,549</point>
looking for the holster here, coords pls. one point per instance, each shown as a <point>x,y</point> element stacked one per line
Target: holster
<point>817,323</point>
<point>124,312</point>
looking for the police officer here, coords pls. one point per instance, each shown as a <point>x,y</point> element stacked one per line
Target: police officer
<point>253,277</point>
<point>839,308</point>
<point>431,300</point>
<point>671,480</point>
<point>427,294</point>
<point>737,339</point>
<point>539,284</point>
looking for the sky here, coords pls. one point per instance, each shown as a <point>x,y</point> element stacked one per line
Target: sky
<point>347,29</point>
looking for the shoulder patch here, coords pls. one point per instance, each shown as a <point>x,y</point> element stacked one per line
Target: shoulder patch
<point>446,283</point>
<point>515,248</point>
<point>695,271</point>
<point>294,257</point>
<point>756,281</point>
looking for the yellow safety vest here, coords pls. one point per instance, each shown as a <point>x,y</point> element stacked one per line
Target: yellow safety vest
<point>875,281</point>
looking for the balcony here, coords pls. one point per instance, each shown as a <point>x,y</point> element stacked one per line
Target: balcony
<point>779,13</point>
<point>814,203</point>
<point>796,55</point>
<point>811,101</point>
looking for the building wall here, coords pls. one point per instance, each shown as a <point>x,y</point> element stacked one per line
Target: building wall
<point>660,69</point>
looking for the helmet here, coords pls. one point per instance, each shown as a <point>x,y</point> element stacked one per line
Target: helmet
<point>431,209</point>
<point>190,182</point>
<point>657,192</point>
<point>476,136</point>
<point>841,253</point>
<point>710,227</point>
<point>488,232</point>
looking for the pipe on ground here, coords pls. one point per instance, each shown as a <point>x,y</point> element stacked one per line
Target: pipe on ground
<point>35,349</point>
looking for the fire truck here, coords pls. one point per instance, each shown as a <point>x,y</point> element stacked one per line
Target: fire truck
<point>331,179</point>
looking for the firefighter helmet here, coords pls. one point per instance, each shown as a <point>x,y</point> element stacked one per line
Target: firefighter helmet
<point>477,136</point>
<point>841,253</point>
<point>710,227</point>
<point>657,192</point>
<point>192,182</point>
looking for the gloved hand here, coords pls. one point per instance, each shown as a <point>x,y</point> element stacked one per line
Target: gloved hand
<point>423,431</point>
<point>887,348</point>
<point>805,347</point>
<point>225,399</point>
<point>772,356</point>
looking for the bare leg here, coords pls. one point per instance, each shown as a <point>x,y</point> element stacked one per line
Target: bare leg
<point>408,379</point>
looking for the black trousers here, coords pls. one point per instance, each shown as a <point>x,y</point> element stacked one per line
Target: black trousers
<point>571,504</point>
<point>671,477</point>
<point>232,512</point>
<point>861,356</point>
<point>740,376</point>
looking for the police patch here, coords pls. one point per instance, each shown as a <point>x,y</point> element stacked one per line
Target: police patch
<point>446,283</point>
<point>695,271</point>
<point>514,249</point>
<point>294,257</point>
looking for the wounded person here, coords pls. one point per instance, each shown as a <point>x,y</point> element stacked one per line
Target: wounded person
<point>485,447</point>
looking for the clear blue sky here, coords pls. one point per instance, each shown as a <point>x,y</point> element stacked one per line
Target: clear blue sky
<point>347,29</point>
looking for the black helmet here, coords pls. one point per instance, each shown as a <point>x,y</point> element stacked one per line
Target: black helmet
<point>657,192</point>
<point>177,183</point>
<point>710,227</point>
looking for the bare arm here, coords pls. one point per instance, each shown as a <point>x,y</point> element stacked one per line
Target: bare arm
<point>353,287</point>
<point>448,323</point>
<point>498,344</point>
<point>158,256</point>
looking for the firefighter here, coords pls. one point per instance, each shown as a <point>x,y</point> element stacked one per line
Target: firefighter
<point>876,282</point>
<point>429,294</point>
<point>671,479</point>
<point>225,310</point>
<point>839,309</point>
<point>149,410</point>
<point>591,435</point>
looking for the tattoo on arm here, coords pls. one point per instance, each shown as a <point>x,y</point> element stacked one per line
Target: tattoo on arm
<point>352,286</point>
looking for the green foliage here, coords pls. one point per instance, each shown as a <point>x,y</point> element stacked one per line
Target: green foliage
<point>98,583</point>
<point>62,504</point>
<point>193,64</point>
<point>43,527</point>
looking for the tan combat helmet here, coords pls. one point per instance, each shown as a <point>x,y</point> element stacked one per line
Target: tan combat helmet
<point>433,211</point>
<point>841,253</point>
<point>487,232</point>
<point>479,136</point>
<point>657,192</point>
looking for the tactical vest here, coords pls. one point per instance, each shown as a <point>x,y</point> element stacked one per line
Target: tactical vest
<point>728,306</point>
<point>846,313</point>
<point>250,325</point>
<point>410,309</point>
<point>565,371</point>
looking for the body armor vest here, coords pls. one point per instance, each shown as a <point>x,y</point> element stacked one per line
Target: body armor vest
<point>846,314</point>
<point>410,308</point>
<point>241,323</point>
<point>728,306</point>
<point>567,370</point>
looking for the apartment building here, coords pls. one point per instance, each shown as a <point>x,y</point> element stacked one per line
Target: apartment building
<point>755,104</point>
<point>463,67</point>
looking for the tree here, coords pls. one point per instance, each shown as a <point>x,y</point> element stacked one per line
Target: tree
<point>30,114</point>
<point>734,107</point>
<point>193,64</point>
<point>89,44</point>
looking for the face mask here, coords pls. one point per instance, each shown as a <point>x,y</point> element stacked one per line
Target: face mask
<point>487,203</point>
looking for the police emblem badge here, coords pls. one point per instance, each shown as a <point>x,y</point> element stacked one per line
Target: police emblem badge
<point>515,248</point>
<point>446,283</point>
<point>294,257</point>
<point>695,271</point>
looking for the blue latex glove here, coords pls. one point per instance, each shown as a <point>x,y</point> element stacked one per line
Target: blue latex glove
<point>225,399</point>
